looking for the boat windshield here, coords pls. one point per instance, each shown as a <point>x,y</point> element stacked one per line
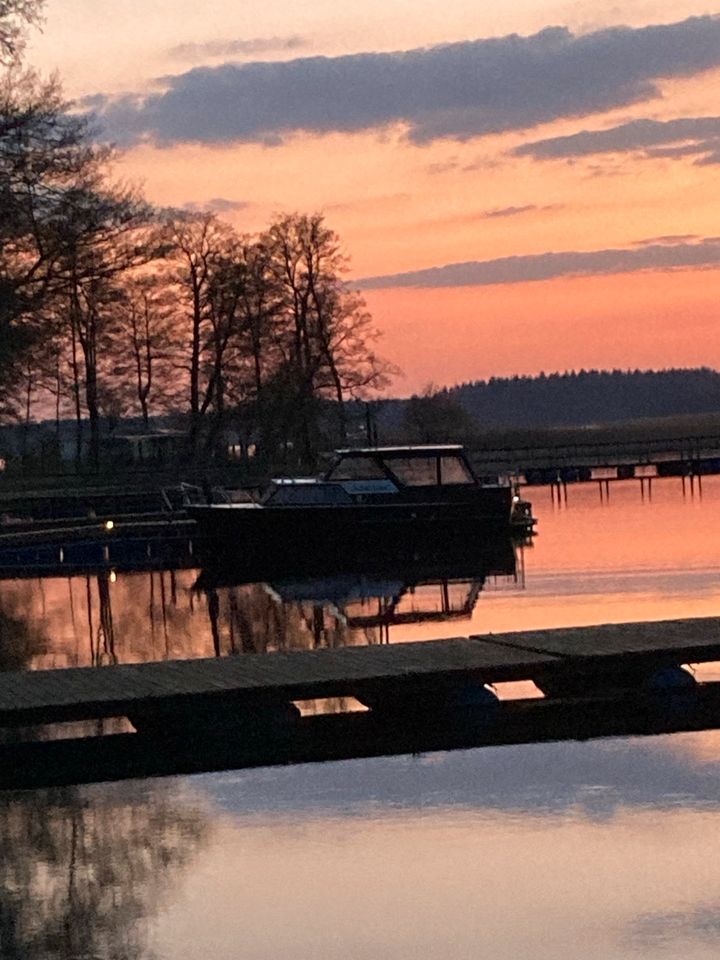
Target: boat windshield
<point>412,469</point>
<point>455,470</point>
<point>430,471</point>
<point>357,468</point>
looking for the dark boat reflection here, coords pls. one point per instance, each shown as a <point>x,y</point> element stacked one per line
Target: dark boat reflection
<point>363,602</point>
<point>459,559</point>
<point>372,594</point>
<point>104,616</point>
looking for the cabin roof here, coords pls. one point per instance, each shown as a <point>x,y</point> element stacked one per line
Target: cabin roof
<point>434,450</point>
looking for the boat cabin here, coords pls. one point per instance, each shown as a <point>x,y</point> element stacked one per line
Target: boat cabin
<point>411,474</point>
<point>414,466</point>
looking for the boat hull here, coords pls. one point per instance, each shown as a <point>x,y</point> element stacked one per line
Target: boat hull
<point>341,530</point>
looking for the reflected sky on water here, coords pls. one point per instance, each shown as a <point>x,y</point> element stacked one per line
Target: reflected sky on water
<point>608,848</point>
<point>604,849</point>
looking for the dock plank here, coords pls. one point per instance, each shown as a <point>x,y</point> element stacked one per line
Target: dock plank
<point>90,692</point>
<point>695,639</point>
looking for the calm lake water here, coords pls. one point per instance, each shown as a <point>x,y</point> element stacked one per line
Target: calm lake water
<point>604,849</point>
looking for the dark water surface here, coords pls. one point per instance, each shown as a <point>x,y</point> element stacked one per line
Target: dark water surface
<point>604,849</point>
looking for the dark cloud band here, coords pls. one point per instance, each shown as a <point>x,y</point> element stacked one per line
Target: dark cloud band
<point>697,137</point>
<point>457,90</point>
<point>215,205</point>
<point>660,254</point>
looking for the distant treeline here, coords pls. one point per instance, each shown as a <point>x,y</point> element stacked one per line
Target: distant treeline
<point>469,412</point>
<point>587,397</point>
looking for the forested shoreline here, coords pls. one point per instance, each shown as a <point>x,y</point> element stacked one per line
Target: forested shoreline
<point>586,397</point>
<point>534,409</point>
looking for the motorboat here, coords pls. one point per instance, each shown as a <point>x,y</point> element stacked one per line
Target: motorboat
<point>371,498</point>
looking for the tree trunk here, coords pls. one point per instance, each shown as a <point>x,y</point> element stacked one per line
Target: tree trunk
<point>89,345</point>
<point>76,389</point>
<point>195,366</point>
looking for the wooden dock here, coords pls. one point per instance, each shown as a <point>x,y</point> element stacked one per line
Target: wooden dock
<point>88,693</point>
<point>201,715</point>
<point>350,736</point>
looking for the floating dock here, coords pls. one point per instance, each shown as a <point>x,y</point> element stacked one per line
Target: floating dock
<point>91,693</point>
<point>209,714</point>
<point>52,548</point>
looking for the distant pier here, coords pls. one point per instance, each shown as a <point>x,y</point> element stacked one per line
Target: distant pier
<point>603,462</point>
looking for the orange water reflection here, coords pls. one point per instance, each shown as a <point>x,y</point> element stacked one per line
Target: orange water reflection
<point>595,559</point>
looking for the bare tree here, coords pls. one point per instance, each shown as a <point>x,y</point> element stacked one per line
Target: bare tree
<point>327,333</point>
<point>102,236</point>
<point>196,242</point>
<point>139,344</point>
<point>44,152</point>
<point>15,17</point>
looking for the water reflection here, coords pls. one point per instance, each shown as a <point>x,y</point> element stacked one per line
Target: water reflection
<point>609,844</point>
<point>22,631</point>
<point>530,849</point>
<point>94,620</point>
<point>595,780</point>
<point>592,562</point>
<point>84,872</point>
<point>524,851</point>
<point>338,609</point>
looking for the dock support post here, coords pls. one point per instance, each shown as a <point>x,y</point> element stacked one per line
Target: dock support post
<point>558,492</point>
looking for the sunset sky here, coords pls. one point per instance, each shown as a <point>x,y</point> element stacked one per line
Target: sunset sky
<point>529,189</point>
